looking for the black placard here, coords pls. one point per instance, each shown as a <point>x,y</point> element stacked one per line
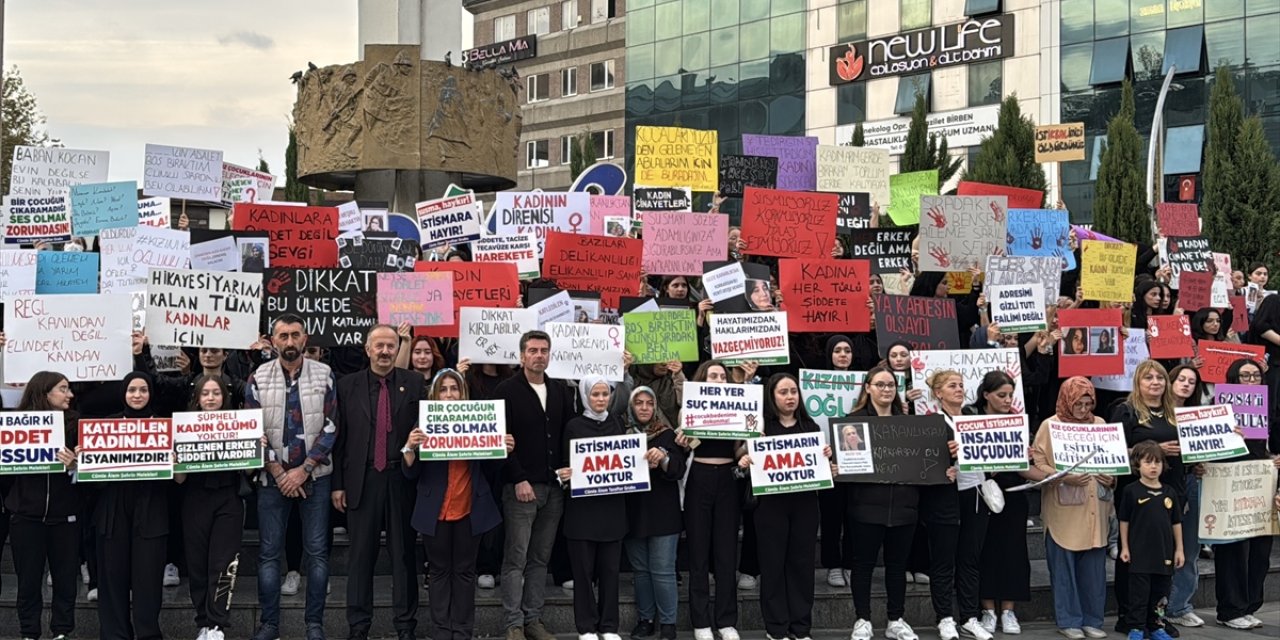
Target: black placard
<point>1189,254</point>
<point>739,172</point>
<point>381,252</point>
<point>924,323</point>
<point>904,449</point>
<point>337,306</point>
<point>660,199</point>
<point>853,212</point>
<point>889,250</point>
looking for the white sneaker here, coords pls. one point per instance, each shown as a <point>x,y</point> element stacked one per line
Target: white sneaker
<point>900,630</point>
<point>485,581</point>
<point>48,579</point>
<point>1009,623</point>
<point>947,629</point>
<point>862,630</point>
<point>84,573</point>
<point>1072,633</point>
<point>588,636</point>
<point>989,620</point>
<point>216,634</point>
<point>747,582</point>
<point>1243,622</point>
<point>567,585</point>
<point>1188,619</point>
<point>922,578</point>
<point>292,581</point>
<point>728,633</point>
<point>204,634</point>
<point>910,578</point>
<point>171,576</point>
<point>92,596</point>
<point>973,629</point>
<point>703,634</point>
<point>1094,632</point>
<point>339,531</point>
<point>610,636</point>
<point>835,578</point>
<point>1254,620</point>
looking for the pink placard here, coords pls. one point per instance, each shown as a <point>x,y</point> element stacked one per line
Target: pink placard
<point>677,243</point>
<point>602,206</point>
<point>422,299</point>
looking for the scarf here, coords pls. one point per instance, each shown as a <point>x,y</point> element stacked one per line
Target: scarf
<point>585,385</point>
<point>657,424</point>
<point>1073,389</point>
<point>146,411</point>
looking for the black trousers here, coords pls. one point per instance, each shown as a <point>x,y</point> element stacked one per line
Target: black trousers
<point>788,525</point>
<point>748,558</point>
<point>595,611</point>
<point>968,555</point>
<point>896,542</point>
<point>385,505</point>
<point>711,515</point>
<point>1240,568</point>
<point>4,533</point>
<point>1122,595</point>
<point>451,579</point>
<point>129,563</point>
<point>836,549</point>
<point>1146,590</point>
<point>944,541</point>
<point>174,553</point>
<point>212,525</point>
<point>489,558</point>
<point>34,544</point>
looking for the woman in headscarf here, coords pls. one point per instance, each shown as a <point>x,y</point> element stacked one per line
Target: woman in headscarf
<point>665,380</point>
<point>1076,521</point>
<point>655,520</point>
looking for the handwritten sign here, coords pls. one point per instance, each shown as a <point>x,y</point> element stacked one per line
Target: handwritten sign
<point>662,336</point>
<point>661,199</point>
<point>677,157</point>
<point>1170,337</point>
<point>582,349</point>
<point>1178,219</point>
<point>1018,198</point>
<point>750,337</point>
<point>1239,314</point>
<point>889,250</point>
<point>1072,443</point>
<point>1219,356</point>
<point>1236,501</point>
<point>18,273</point>
<point>242,184</point>
<point>959,232</point>
<point>905,191</point>
<point>789,224</point>
<point>722,411</point>
<point>154,212</point>
<point>608,465</point>
<point>183,172</point>
<point>1090,342</point>
<point>1135,351</point>
<point>909,450</point>
<point>1018,308</point>
<point>788,464</point>
<point>1195,290</point>
<point>156,248</point>
<point>993,443</point>
<point>854,169</point>
<point>739,172</point>
<point>36,219</point>
<point>419,298</point>
<point>338,306</point>
<point>826,295</point>
<point>678,243</point>
<point>382,253</point>
<point>1060,142</point>
<point>463,430</point>
<point>30,442</point>
<point>475,284</point>
<point>610,266</point>
<point>1208,433</point>
<point>853,212</point>
<point>203,308</point>
<point>205,441</point>
<point>1041,232</point>
<point>451,220</point>
<point>85,337</point>
<point>1107,273</point>
<point>125,449</point>
<point>492,336</point>
<point>602,207</point>
<point>66,272</point>
<point>1250,404</point>
<point>107,205</point>
<point>797,158</point>
<point>972,364</point>
<point>725,282</point>
<point>42,172</point>
<point>299,237</point>
<point>833,394</point>
<point>1023,270</point>
<point>1188,255</point>
<point>922,322</point>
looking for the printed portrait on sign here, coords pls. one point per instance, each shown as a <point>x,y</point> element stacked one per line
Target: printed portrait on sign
<point>852,448</point>
<point>759,295</point>
<point>1076,342</point>
<point>1102,340</point>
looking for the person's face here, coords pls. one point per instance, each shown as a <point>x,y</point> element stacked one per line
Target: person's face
<point>599,397</point>
<point>1166,297</point>
<point>642,406</point>
<point>1152,384</point>
<point>760,294</point>
<point>1212,323</point>
<point>535,355</point>
<point>950,391</point>
<point>786,396</point>
<point>289,339</point>
<point>1104,338</point>
<point>883,388</point>
<point>877,284</point>
<point>1250,374</point>
<point>1259,276</point>
<point>851,437</point>
<point>1184,384</point>
<point>381,349</point>
<point>449,389</point>
<point>1237,279</point>
<point>941,290</point>
<point>212,358</point>
<point>899,357</point>
<point>1152,298</point>
<point>1077,341</point>
<point>717,374</point>
<point>678,288</point>
<point>313,353</point>
<point>137,394</point>
<point>1150,469</point>
<point>1000,400</point>
<point>842,355</point>
<point>1083,408</point>
<point>915,253</point>
<point>60,396</point>
<point>422,357</point>
<point>210,396</point>
<point>735,239</point>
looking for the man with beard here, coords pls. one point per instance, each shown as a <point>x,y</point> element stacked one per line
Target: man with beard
<point>378,408</point>
<point>299,400</point>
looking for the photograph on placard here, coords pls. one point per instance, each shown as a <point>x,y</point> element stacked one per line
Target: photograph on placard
<point>253,254</point>
<point>759,295</point>
<point>617,226</point>
<point>1102,340</point>
<point>1076,342</point>
<point>375,221</point>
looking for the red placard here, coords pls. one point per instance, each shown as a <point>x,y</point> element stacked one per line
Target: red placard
<point>1239,315</point>
<point>1218,356</point>
<point>299,237</point>
<point>1178,220</point>
<point>825,295</point>
<point>1091,343</point>
<point>605,264</point>
<point>789,224</point>
<point>1195,290</point>
<point>1018,198</point>
<point>475,284</point>
<point>1169,337</point>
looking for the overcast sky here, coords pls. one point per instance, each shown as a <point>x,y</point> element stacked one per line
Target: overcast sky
<point>116,75</point>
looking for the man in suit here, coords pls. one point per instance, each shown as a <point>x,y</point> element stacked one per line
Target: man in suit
<point>377,409</point>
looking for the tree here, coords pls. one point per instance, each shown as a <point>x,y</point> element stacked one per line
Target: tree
<point>1120,209</point>
<point>1008,156</point>
<point>924,150</point>
<point>583,154</point>
<point>23,123</point>
<point>1258,187</point>
<point>859,138</point>
<point>294,191</point>
<point>1221,189</point>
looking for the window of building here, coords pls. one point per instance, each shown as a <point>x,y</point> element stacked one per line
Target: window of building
<point>1262,45</point>
<point>697,15</point>
<point>1184,49</point>
<point>601,10</point>
<point>1224,42</point>
<point>981,7</point>
<point>601,75</point>
<point>986,82</point>
<point>1182,149</point>
<point>566,149</point>
<point>1146,55</point>
<point>1110,61</point>
<point>603,141</point>
<point>1185,14</point>
<point>568,14</point>
<point>916,14</point>
<point>539,21</point>
<point>1076,22</point>
<point>851,20</point>
<point>1111,18</point>
<point>1076,62</point>
<point>908,88</point>
<point>851,103</point>
<point>569,82</point>
<point>536,154</point>
<point>537,88</point>
<point>1221,9</point>
<point>1144,15</point>
<point>504,28</point>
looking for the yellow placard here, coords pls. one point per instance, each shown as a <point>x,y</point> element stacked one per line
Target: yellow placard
<point>959,282</point>
<point>677,157</point>
<point>1106,272</point>
<point>1060,142</point>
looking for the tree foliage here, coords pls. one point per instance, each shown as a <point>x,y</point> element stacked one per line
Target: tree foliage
<point>23,123</point>
<point>583,154</point>
<point>1008,156</point>
<point>1120,209</point>
<point>924,150</point>
<point>1218,216</point>
<point>859,138</point>
<point>294,190</point>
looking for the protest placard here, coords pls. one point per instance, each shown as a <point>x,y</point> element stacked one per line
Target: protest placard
<point>1018,198</point>
<point>449,220</point>
<point>218,254</point>
<point>1107,272</point>
<point>1090,344</point>
<point>960,231</point>
<point>299,237</point>
<point>722,411</point>
<point>677,157</point>
<point>520,250</point>
<point>826,295</point>
<point>121,449</point>
<point>677,243</point>
<point>845,169</point>
<point>1073,442</point>
<point>833,394</point>
<point>905,191</point>
<point>30,442</point>
<point>992,443</point>
<point>1249,402</point>
<point>1178,219</point>
<point>610,266</point>
<point>36,219</point>
<point>725,282</point>
<point>337,305</point>
<point>1060,142</point>
<point>203,308</point>
<point>1208,433</point>
<point>1135,351</point>
<point>1239,314</point>
<point>350,217</point>
<point>1017,308</point>
<point>602,207</point>
<point>739,172</point>
<point>18,273</point>
<point>66,272</point>
<point>582,349</point>
<point>1041,232</point>
<point>607,465</point>
<point>41,172</point>
<point>645,199</point>
<point>788,224</point>
<point>1188,255</point>
<point>904,450</point>
<point>242,184</point>
<point>922,322</point>
<point>492,336</point>
<point>1220,291</point>
<point>418,298</point>
<point>558,307</point>
<point>853,212</point>
<point>103,205</point>
<point>1022,270</point>
<point>788,464</point>
<point>972,364</point>
<point>750,337</point>
<point>756,283</point>
<point>1219,356</point>
<point>1169,337</point>
<point>1195,290</point>
<point>463,429</point>
<point>155,248</point>
<point>182,172</point>
<point>205,441</point>
<point>374,251</point>
<point>1236,501</point>
<point>154,212</point>
<point>889,250</point>
<point>115,273</point>
<point>662,336</point>
<point>475,284</point>
<point>797,158</point>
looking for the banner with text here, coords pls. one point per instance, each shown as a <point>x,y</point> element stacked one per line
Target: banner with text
<point>959,232</point>
<point>125,449</point>
<point>722,411</point>
<point>789,224</point>
<point>750,337</point>
<point>607,465</point>
<point>337,306</point>
<point>204,308</point>
<point>583,349</point>
<point>788,464</point>
<point>993,443</point>
<point>1249,402</point>
<point>84,337</point>
<point>463,429</point>
<point>30,442</point>
<point>826,295</point>
<point>1236,501</point>
<point>1073,442</point>
<point>205,441</point>
<point>1208,433</point>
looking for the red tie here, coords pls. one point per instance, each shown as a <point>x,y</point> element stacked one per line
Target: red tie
<point>382,426</point>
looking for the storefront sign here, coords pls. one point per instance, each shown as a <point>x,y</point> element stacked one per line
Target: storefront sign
<point>963,128</point>
<point>971,42</point>
<point>521,48</point>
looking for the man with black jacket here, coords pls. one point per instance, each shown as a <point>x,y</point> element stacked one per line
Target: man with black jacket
<point>532,499</point>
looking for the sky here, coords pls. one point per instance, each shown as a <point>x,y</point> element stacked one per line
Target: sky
<point>215,75</point>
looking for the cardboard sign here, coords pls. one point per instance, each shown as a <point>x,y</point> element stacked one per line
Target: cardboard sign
<point>1090,343</point>
<point>1018,198</point>
<point>1196,290</point>
<point>739,172</point>
<point>421,299</point>
<point>888,249</point>
<point>922,322</point>
<point>833,394</point>
<point>1219,356</point>
<point>959,232</point>
<point>183,172</point>
<point>826,295</point>
<point>1208,433</point>
<point>750,337</point>
<point>203,308</point>
<point>1060,142</point>
<point>1107,273</point>
<point>726,282</point>
<point>1169,337</point>
<point>207,441</point>
<point>18,273</point>
<point>677,157</point>
<point>218,254</point>
<point>338,306</point>
<point>106,205</point>
<point>475,284</point>
<point>662,336</point>
<point>1041,232</point>
<point>445,221</point>
<point>677,244</point>
<point>1236,501</point>
<point>722,411</point>
<point>382,253</point>
<point>242,184</point>
<point>155,212</point>
<point>853,212</point>
<point>1072,443</point>
<point>788,464</point>
<point>1178,219</point>
<point>993,443</point>
<point>789,224</point>
<point>645,199</point>
<point>852,448</point>
<point>155,248</point>
<point>610,266</point>
<point>581,349</point>
<point>1018,308</point>
<point>1249,402</point>
<point>463,429</point>
<point>66,272</point>
<point>608,465</point>
<point>42,172</point>
<point>1024,270</point>
<point>300,237</point>
<point>84,337</point>
<point>1135,351</point>
<point>492,336</point>
<point>30,442</point>
<point>1220,292</point>
<point>797,159</point>
<point>1188,255</point>
<point>521,251</point>
<point>558,307</point>
<point>972,364</point>
<point>602,207</point>
<point>904,450</point>
<point>125,449</point>
<point>1239,314</point>
<point>36,219</point>
<point>854,169</point>
<point>905,191</point>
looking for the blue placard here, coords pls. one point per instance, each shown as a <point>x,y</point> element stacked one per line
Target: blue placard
<point>66,272</point>
<point>106,205</point>
<point>1041,232</point>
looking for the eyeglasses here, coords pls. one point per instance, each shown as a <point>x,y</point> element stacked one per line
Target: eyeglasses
<point>884,385</point>
<point>1250,377</point>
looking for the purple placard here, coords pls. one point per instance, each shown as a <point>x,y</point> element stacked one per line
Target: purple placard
<point>797,158</point>
<point>1249,401</point>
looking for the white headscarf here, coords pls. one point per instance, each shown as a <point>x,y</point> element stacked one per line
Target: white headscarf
<point>585,386</point>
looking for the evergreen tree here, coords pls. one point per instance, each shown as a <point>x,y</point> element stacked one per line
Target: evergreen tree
<point>23,123</point>
<point>859,138</point>
<point>1008,156</point>
<point>294,191</point>
<point>1120,209</point>
<point>1221,188</point>
<point>924,150</point>
<point>583,155</point>
<point>1257,178</point>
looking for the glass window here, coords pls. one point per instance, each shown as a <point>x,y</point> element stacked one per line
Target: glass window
<point>851,103</point>
<point>1077,21</point>
<point>1147,50</point>
<point>1095,159</point>
<point>723,13</point>
<point>569,82</point>
<point>604,143</point>
<point>985,83</point>
<point>787,34</point>
<point>981,7</point>
<point>754,10</point>
<point>536,154</point>
<point>786,115</point>
<point>640,26</point>
<point>569,14</point>
<point>566,149</point>
<point>1182,149</point>
<point>1076,62</point>
<point>504,28</point>
<point>540,20</point>
<point>908,87</point>
<point>695,56</point>
<point>1110,59</point>
<point>916,14</point>
<point>601,75</point>
<point>1224,42</point>
<point>1183,49</point>
<point>1263,91</point>
<point>694,90</point>
<point>1145,15</point>
<point>786,74</point>
<point>696,16</point>
<point>754,79</point>
<point>1111,18</point>
<point>1263,45</point>
<point>666,21</point>
<point>1220,9</point>
<point>1262,6</point>
<point>724,46</point>
<point>537,88</point>
<point>640,61</point>
<point>601,10</point>
<point>851,20</point>
<point>1184,13</point>
<point>753,40</point>
<point>666,58</point>
<point>1187,102</point>
<point>784,7</point>
<point>753,117</point>
<point>724,84</point>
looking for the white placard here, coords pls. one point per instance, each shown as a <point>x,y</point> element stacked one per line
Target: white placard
<point>579,349</point>
<point>203,308</point>
<point>973,364</point>
<point>47,171</point>
<point>960,232</point>
<point>30,442</point>
<point>155,248</point>
<point>84,337</point>
<point>608,465</point>
<point>206,441</point>
<point>788,464</point>
<point>536,212</point>
<point>1073,442</point>
<point>1017,308</point>
<point>1236,501</point>
<point>993,443</point>
<point>350,218</point>
<point>154,212</point>
<point>557,308</point>
<point>183,172</point>
<point>1135,351</point>
<point>521,250</point>
<point>750,337</point>
<point>463,429</point>
<point>492,336</point>
<point>1209,433</point>
<point>115,273</point>
<point>219,254</point>
<point>726,282</point>
<point>447,221</point>
<point>852,448</point>
<point>1006,270</point>
<point>242,184</point>
<point>722,411</point>
<point>17,273</point>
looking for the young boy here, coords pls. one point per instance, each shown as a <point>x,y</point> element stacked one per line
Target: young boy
<point>1151,516</point>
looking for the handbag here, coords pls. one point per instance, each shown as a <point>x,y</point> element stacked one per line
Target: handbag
<point>992,495</point>
<point>245,489</point>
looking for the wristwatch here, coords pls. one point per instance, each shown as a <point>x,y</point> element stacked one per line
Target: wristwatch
<point>308,467</point>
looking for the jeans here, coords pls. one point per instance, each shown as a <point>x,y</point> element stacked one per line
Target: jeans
<point>1079,580</point>
<point>530,534</point>
<point>1187,578</point>
<point>273,514</point>
<point>653,566</point>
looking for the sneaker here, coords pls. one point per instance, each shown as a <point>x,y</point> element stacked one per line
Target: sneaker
<point>1135,634</point>
<point>267,632</point>
<point>972,629</point>
<point>1072,633</point>
<point>729,633</point>
<point>900,630</point>
<point>48,579</point>
<point>292,581</point>
<point>910,578</point>
<point>588,636</point>
<point>515,633</point>
<point>1206,552</point>
<point>1158,634</point>
<point>315,632</point>
<point>1188,619</point>
<point>835,578</point>
<point>537,631</point>
<point>1094,632</point>
<point>610,636</point>
<point>643,629</point>
<point>358,634</point>
<point>339,531</point>
<point>921,578</point>
<point>1253,619</point>
<point>703,634</point>
<point>947,629</point>
<point>171,575</point>
<point>92,596</point>
<point>1243,622</point>
<point>989,620</point>
<point>204,634</point>
<point>862,630</point>
<point>486,581</point>
<point>667,632</point>
<point>567,585</point>
<point>216,634</point>
<point>84,573</point>
<point>1009,623</point>
<point>747,582</point>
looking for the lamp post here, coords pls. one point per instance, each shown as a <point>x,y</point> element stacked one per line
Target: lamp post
<point>1157,133</point>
